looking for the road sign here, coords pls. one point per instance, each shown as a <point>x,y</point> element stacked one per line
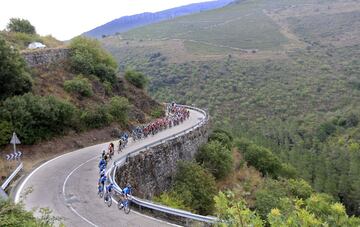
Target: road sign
<point>14,139</point>
<point>7,157</point>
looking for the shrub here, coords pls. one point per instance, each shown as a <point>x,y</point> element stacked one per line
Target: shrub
<point>96,117</point>
<point>35,118</point>
<point>108,88</point>
<point>14,76</point>
<point>196,186</point>
<point>5,132</point>
<point>135,78</point>
<point>172,199</point>
<point>325,130</point>
<point>118,108</point>
<point>222,136</point>
<point>216,158</point>
<point>157,112</point>
<point>300,188</point>
<point>262,159</point>
<point>79,85</point>
<point>88,57</point>
<point>20,25</point>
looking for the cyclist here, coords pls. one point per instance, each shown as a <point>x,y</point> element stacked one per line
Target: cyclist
<point>125,194</point>
<point>102,172</point>
<point>102,163</point>
<point>109,188</point>
<point>102,180</point>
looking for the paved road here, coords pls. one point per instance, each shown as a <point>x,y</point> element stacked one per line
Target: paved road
<point>68,186</point>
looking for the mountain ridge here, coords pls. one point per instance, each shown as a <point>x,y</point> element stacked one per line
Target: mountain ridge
<point>127,23</point>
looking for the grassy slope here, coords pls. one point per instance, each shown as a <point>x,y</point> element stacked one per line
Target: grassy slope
<point>305,72</point>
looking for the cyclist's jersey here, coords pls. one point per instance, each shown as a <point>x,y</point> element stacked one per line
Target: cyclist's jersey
<point>102,179</point>
<point>109,188</point>
<point>102,162</point>
<point>126,191</point>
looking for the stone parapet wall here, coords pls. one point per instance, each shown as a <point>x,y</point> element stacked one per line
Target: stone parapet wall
<point>152,171</point>
<point>43,57</point>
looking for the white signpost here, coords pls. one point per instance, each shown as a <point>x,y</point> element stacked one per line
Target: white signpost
<point>15,140</point>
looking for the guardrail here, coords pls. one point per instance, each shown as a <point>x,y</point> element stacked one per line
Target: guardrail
<point>149,204</point>
<point>11,177</point>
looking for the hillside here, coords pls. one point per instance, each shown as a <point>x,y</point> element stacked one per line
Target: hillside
<point>283,73</point>
<point>127,23</point>
<point>62,107</point>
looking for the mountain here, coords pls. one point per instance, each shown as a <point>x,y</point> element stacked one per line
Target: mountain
<point>127,23</point>
<point>285,72</point>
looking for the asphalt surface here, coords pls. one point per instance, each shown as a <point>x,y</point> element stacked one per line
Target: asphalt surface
<point>68,185</point>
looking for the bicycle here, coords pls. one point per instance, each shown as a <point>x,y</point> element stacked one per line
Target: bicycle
<point>124,203</point>
<point>108,199</point>
<point>101,191</point>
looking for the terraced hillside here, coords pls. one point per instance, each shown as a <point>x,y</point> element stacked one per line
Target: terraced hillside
<point>285,72</point>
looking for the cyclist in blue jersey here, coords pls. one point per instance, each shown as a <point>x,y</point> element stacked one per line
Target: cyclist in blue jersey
<point>102,163</point>
<point>102,172</point>
<point>126,192</point>
<point>109,188</point>
<point>102,180</point>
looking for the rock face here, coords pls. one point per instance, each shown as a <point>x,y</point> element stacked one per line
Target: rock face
<point>45,56</point>
<point>152,171</point>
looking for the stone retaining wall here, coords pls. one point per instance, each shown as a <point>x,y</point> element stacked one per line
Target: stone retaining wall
<point>152,171</point>
<point>43,57</point>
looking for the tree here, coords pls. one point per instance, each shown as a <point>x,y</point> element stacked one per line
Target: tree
<point>20,25</point>
<point>196,186</point>
<point>14,76</point>
<point>216,157</point>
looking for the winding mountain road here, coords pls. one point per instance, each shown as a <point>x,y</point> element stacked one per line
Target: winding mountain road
<point>68,185</point>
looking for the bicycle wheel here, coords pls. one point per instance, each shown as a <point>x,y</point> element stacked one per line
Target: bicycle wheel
<point>107,199</point>
<point>127,206</point>
<point>101,194</point>
<point>120,205</point>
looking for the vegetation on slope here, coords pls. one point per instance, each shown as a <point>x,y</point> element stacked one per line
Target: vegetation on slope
<point>272,71</point>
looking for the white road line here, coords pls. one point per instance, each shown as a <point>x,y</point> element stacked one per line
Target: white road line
<point>18,192</point>
<point>64,186</point>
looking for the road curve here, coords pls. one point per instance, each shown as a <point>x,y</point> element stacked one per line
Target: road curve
<point>68,185</point>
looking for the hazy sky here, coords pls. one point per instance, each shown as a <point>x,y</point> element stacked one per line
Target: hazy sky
<point>65,19</point>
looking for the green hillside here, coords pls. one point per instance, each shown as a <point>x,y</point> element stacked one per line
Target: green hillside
<point>284,73</point>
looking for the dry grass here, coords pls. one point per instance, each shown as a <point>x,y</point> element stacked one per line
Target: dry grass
<point>244,181</point>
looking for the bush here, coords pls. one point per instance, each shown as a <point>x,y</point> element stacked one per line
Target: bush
<point>216,158</point>
<point>14,76</point>
<point>222,136</point>
<point>157,112</point>
<point>172,199</point>
<point>20,25</point>
<point>96,117</point>
<point>325,130</point>
<point>135,78</point>
<point>79,85</point>
<point>5,132</point>
<point>196,186</point>
<point>300,188</point>
<point>118,108</point>
<point>263,160</point>
<point>88,57</point>
<point>35,118</point>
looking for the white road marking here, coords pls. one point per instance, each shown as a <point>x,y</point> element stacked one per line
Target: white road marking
<point>64,186</point>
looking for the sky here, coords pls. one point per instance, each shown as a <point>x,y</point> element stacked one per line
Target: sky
<point>65,19</point>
